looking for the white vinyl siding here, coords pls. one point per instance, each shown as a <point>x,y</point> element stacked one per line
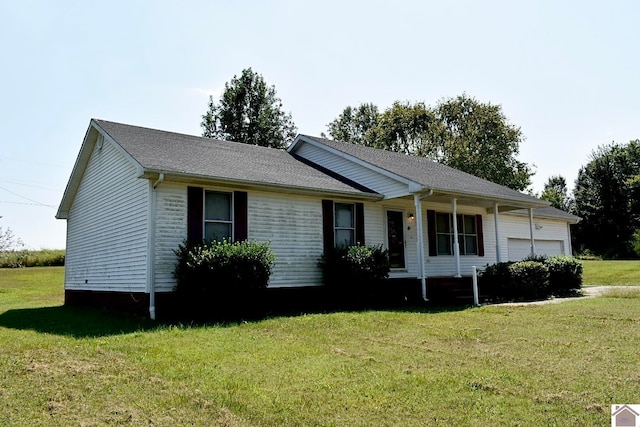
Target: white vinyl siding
<point>293,226</point>
<point>107,226</point>
<point>375,181</point>
<point>171,231</point>
<point>521,248</point>
<point>376,230</point>
<point>549,235</point>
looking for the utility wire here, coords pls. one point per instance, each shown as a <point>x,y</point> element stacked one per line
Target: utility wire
<point>26,203</point>
<point>31,184</point>
<point>13,159</point>
<point>26,198</point>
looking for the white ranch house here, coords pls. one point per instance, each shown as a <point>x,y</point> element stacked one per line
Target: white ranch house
<point>135,194</point>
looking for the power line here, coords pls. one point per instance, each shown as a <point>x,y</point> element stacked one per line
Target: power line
<point>31,184</point>
<point>26,198</point>
<point>27,203</point>
<point>13,159</point>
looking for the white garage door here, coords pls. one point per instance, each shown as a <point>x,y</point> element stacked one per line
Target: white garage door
<point>521,248</point>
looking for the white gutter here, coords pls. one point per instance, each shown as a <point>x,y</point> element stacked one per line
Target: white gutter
<point>151,279</point>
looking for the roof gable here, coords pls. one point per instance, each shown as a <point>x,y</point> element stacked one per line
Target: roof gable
<point>422,173</point>
<point>205,159</point>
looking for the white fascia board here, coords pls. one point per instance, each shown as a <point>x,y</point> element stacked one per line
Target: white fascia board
<point>86,149</point>
<point>78,170</point>
<point>118,147</point>
<point>280,188</point>
<point>573,219</point>
<point>353,159</point>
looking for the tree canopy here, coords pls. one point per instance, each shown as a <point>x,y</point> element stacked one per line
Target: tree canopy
<point>249,111</point>
<point>460,132</point>
<point>555,191</point>
<point>607,198</point>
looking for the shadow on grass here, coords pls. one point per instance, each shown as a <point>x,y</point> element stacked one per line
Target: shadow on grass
<point>91,322</point>
<point>74,322</point>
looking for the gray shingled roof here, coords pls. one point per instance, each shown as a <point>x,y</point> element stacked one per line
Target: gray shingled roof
<point>548,212</point>
<point>180,154</point>
<point>428,173</point>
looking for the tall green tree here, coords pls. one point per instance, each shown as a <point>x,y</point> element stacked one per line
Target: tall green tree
<point>555,191</point>
<point>249,111</point>
<point>460,132</point>
<point>479,139</point>
<point>355,125</point>
<point>607,198</point>
<point>408,128</point>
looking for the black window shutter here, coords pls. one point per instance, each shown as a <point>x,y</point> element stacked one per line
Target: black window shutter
<point>360,223</point>
<point>327,225</point>
<point>431,231</point>
<point>240,216</point>
<point>480,235</point>
<point>194,214</point>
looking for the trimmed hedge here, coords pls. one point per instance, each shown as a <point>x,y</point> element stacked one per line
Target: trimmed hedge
<point>538,277</point>
<point>223,268</point>
<point>565,275</point>
<point>529,280</point>
<point>354,267</point>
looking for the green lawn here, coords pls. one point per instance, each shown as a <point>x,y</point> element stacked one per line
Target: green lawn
<point>608,273</point>
<point>557,364</point>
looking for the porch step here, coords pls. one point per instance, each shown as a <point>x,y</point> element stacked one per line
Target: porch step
<point>452,290</point>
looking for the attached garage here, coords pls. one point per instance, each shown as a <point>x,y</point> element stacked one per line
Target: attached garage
<point>521,248</point>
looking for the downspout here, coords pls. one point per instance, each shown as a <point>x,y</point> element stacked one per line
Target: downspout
<point>417,200</point>
<point>152,249</point>
<point>495,219</point>
<point>456,244</point>
<point>533,243</point>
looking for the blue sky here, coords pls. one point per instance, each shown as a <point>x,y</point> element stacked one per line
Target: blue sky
<point>566,72</point>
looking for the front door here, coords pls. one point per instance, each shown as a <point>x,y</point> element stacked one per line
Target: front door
<point>395,238</point>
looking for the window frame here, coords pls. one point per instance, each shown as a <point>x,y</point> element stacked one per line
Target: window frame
<point>462,234</point>
<point>352,229</point>
<point>230,222</point>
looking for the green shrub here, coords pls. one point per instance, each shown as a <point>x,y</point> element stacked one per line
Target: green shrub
<point>529,280</point>
<point>495,280</point>
<point>222,268</point>
<point>354,267</point>
<point>565,275</point>
<point>31,258</point>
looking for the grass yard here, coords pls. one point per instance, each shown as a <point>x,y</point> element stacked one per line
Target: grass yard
<point>606,273</point>
<point>557,364</point>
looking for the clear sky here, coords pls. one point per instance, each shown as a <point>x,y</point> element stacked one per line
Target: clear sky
<point>566,72</point>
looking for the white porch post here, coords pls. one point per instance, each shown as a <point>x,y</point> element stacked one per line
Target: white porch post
<point>420,245</point>
<point>533,243</point>
<point>495,219</point>
<point>456,245</point>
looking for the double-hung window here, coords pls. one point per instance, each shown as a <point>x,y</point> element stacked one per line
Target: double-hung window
<point>467,234</point>
<point>345,224</point>
<point>218,217</point>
